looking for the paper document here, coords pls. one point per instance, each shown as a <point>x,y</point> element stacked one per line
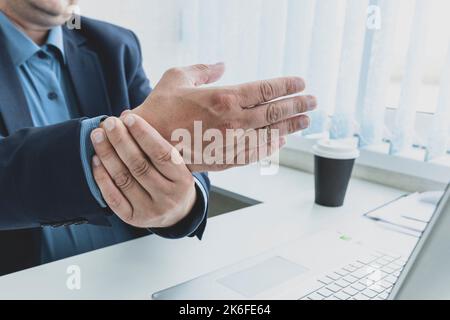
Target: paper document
<point>412,213</point>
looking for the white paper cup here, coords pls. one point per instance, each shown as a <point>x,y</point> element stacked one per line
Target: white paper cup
<point>333,166</point>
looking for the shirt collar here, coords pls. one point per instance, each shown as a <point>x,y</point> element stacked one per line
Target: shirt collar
<point>21,47</point>
<point>55,39</point>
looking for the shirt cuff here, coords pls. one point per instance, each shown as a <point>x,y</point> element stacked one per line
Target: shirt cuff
<point>191,223</point>
<point>87,152</point>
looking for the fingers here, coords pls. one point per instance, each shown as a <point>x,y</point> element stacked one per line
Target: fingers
<point>253,140</point>
<point>111,194</point>
<point>290,126</point>
<point>163,155</point>
<point>130,184</point>
<point>195,75</point>
<point>252,154</point>
<point>274,112</point>
<point>255,93</point>
<point>138,164</point>
<point>117,170</point>
<point>265,151</point>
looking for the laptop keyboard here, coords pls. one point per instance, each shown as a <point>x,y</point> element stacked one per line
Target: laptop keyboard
<point>369,278</point>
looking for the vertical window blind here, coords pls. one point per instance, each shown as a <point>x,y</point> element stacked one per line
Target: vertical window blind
<point>343,48</point>
<point>405,116</point>
<point>379,68</point>
<point>438,142</point>
<point>379,63</point>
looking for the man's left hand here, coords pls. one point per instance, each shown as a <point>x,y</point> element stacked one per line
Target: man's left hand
<point>142,177</point>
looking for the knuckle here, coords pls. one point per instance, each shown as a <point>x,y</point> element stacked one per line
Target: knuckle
<point>267,90</point>
<point>224,101</point>
<point>140,167</point>
<point>164,156</point>
<point>274,113</point>
<point>188,180</point>
<point>201,67</point>
<point>174,72</point>
<point>99,177</point>
<point>113,201</point>
<point>294,85</point>
<point>128,216</point>
<point>104,150</point>
<point>301,105</point>
<point>293,126</point>
<point>123,180</point>
<point>116,137</point>
<point>106,154</point>
<point>229,125</point>
<point>202,73</point>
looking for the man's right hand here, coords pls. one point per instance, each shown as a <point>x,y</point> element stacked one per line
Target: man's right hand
<point>178,101</point>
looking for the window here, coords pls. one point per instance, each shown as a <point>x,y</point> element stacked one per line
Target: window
<point>436,46</point>
<point>356,55</point>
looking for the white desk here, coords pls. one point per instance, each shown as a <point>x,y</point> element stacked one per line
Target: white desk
<point>135,269</point>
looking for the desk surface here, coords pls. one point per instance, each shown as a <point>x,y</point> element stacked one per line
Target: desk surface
<point>136,269</point>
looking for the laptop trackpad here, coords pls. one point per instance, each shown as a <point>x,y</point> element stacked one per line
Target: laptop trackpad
<point>262,277</point>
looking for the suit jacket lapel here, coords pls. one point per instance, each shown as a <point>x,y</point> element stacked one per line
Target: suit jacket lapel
<point>87,76</point>
<point>13,104</point>
<point>84,70</point>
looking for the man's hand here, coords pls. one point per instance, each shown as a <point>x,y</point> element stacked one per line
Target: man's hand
<point>178,101</point>
<point>137,176</point>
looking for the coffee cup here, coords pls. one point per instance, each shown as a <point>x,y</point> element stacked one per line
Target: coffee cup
<point>333,166</point>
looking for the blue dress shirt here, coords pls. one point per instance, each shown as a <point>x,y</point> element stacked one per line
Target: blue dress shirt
<point>51,100</point>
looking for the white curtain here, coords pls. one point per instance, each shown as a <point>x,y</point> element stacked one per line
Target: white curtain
<point>379,53</point>
<point>438,141</point>
<point>354,55</point>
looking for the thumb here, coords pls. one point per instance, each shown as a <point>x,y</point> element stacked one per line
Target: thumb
<point>201,74</point>
<point>195,75</point>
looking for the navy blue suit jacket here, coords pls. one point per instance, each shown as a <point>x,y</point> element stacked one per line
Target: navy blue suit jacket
<point>42,182</point>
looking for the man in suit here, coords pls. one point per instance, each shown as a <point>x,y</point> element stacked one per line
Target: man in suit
<point>64,96</point>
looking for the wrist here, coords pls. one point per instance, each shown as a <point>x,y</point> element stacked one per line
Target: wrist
<point>187,207</point>
<point>190,224</point>
<point>156,119</point>
<point>192,199</point>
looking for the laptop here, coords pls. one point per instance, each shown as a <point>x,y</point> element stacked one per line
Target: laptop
<point>326,266</point>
